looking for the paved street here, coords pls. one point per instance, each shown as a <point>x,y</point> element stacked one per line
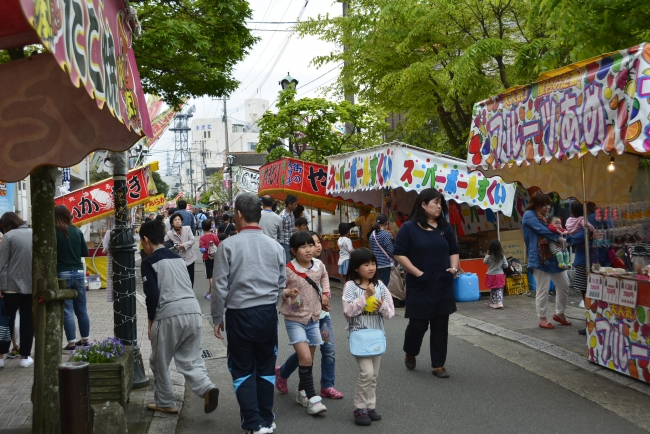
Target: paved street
<point>495,386</point>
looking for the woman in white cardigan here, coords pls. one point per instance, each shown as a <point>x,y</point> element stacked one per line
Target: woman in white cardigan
<point>183,239</point>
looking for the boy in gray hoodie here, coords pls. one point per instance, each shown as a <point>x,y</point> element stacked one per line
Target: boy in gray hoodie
<point>174,322</point>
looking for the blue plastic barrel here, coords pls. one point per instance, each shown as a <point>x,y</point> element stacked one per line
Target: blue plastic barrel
<point>532,283</point>
<point>466,287</point>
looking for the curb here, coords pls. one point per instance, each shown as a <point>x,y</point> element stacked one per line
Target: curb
<point>551,349</point>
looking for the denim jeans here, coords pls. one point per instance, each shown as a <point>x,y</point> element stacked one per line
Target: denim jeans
<point>287,252</point>
<point>76,306</point>
<point>328,353</point>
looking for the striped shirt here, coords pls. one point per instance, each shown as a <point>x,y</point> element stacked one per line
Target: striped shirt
<point>288,226</point>
<point>382,238</point>
<point>354,303</point>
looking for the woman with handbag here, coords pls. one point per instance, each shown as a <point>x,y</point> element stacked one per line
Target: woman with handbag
<point>366,302</point>
<point>426,247</point>
<point>183,240</point>
<point>381,245</point>
<point>16,281</point>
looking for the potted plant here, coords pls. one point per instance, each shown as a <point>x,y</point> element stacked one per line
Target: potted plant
<point>111,370</point>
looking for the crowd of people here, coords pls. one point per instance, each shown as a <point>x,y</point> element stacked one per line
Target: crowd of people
<point>260,263</point>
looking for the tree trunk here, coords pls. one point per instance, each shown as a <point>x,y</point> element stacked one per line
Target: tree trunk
<point>48,317</point>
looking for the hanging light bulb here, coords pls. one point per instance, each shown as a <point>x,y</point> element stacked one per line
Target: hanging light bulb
<point>610,166</point>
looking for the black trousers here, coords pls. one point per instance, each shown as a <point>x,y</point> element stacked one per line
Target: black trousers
<point>190,269</point>
<point>438,338</point>
<point>252,352</point>
<point>23,304</point>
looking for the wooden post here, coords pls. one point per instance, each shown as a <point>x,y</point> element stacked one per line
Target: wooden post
<point>48,316</point>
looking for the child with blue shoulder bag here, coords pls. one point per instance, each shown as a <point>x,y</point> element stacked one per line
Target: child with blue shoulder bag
<point>366,302</point>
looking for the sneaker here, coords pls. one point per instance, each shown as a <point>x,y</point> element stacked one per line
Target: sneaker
<point>361,417</point>
<point>69,348</point>
<point>374,415</point>
<point>440,372</point>
<point>330,392</point>
<point>582,332</point>
<point>82,344</point>
<point>205,295</point>
<point>316,405</point>
<point>301,398</point>
<point>493,306</point>
<point>26,363</point>
<point>260,430</point>
<point>209,296</point>
<point>169,410</point>
<point>14,353</point>
<point>281,382</point>
<point>499,306</point>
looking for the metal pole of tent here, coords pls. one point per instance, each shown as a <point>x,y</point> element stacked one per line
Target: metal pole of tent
<point>584,208</point>
<point>498,226</point>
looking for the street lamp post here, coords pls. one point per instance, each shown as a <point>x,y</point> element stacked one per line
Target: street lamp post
<point>231,159</point>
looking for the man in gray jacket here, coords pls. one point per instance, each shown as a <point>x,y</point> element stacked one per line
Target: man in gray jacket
<point>250,276</point>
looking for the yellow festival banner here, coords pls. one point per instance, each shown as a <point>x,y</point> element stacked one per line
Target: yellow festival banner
<point>155,203</point>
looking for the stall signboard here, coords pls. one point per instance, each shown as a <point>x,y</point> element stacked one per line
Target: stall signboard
<point>610,290</point>
<point>304,179</point>
<point>6,197</point>
<point>92,41</point>
<point>246,179</point>
<point>597,105</point>
<point>627,293</point>
<point>396,165</point>
<point>96,201</point>
<point>154,203</point>
<point>618,336</point>
<point>595,286</point>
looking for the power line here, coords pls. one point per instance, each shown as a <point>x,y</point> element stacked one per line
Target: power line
<point>320,76</point>
<point>273,22</point>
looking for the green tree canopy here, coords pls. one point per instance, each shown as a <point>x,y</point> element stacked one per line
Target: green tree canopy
<point>308,124</point>
<point>431,60</point>
<point>189,48</point>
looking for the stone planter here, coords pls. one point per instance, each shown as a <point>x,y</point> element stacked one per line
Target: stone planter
<point>112,381</point>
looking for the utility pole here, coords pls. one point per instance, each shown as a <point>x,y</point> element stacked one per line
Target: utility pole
<point>203,163</point>
<point>191,175</point>
<point>225,124</point>
<point>349,128</point>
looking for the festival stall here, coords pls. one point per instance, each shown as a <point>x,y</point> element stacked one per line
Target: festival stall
<point>389,177</point>
<point>578,131</point>
<point>95,202</point>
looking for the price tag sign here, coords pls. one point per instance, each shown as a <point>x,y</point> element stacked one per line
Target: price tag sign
<point>610,291</point>
<point>627,293</point>
<point>595,287</point>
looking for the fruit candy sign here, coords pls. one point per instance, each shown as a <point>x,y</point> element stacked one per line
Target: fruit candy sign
<point>593,107</point>
<point>398,166</point>
<point>627,294</point>
<point>618,337</point>
<point>91,39</point>
<point>96,201</point>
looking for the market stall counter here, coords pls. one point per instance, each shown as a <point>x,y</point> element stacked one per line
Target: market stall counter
<point>330,253</point>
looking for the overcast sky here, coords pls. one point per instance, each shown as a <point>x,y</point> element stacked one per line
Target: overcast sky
<point>266,64</point>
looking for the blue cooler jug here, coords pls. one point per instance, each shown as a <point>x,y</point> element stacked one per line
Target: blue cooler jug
<point>466,287</point>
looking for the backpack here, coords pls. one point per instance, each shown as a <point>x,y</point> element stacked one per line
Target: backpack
<point>212,250</point>
<point>514,267</point>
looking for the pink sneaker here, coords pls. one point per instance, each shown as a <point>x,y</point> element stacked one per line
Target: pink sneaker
<point>280,382</point>
<point>331,393</point>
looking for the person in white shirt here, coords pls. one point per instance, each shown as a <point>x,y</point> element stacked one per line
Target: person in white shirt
<point>270,222</point>
<point>345,248</point>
